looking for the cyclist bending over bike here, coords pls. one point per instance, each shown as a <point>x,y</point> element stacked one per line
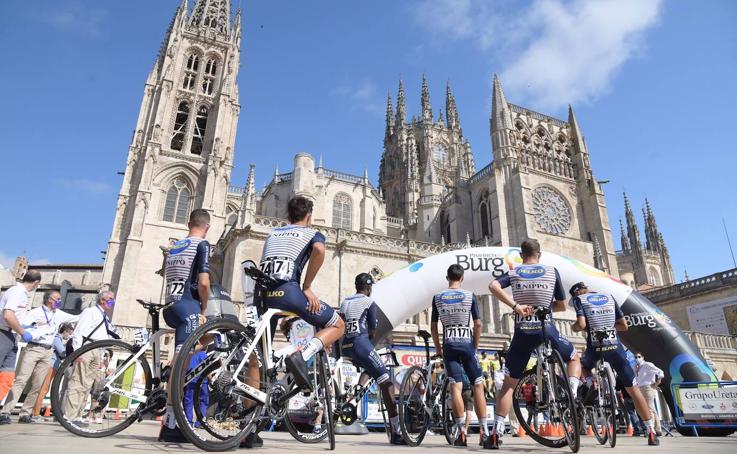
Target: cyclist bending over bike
<point>455,308</point>
<point>533,286</point>
<point>187,276</point>
<point>359,313</point>
<point>599,313</point>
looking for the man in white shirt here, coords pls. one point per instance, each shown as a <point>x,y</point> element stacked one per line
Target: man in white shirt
<point>13,304</point>
<point>43,322</point>
<point>647,378</point>
<point>93,325</point>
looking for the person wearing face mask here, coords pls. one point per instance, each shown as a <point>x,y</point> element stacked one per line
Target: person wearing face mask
<point>93,325</point>
<point>13,305</point>
<point>44,321</point>
<point>647,378</point>
<point>59,353</point>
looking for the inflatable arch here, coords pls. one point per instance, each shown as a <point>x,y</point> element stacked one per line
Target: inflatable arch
<point>409,291</point>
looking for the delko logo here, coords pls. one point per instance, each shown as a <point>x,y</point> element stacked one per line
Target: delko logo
<point>530,272</point>
<point>598,300</point>
<point>180,246</point>
<point>451,297</point>
<point>410,359</point>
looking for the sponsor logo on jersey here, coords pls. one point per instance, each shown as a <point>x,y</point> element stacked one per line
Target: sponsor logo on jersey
<point>180,246</point>
<point>530,272</point>
<point>598,300</point>
<point>452,297</point>
<point>275,293</point>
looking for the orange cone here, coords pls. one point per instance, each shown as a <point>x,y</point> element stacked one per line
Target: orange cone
<point>47,411</point>
<point>520,431</point>
<point>117,414</point>
<point>561,431</point>
<point>589,431</point>
<point>544,429</point>
<point>630,430</point>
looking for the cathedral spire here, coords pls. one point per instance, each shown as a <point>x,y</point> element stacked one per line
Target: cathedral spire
<point>389,116</point>
<point>623,237</point>
<point>651,228</point>
<point>451,110</point>
<point>579,147</point>
<point>426,106</point>
<point>212,14</point>
<point>633,232</point>
<point>500,117</point>
<point>401,108</point>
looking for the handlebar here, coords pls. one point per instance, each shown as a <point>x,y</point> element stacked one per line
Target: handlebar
<point>151,306</point>
<point>262,279</point>
<point>542,313</point>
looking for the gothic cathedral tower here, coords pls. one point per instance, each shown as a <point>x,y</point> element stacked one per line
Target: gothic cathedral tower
<point>181,154</point>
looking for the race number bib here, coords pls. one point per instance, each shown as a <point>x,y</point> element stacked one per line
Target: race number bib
<point>175,288</point>
<point>352,327</point>
<point>278,267</point>
<point>605,338</point>
<point>457,332</point>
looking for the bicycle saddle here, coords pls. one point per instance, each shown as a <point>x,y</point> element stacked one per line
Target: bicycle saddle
<point>424,335</point>
<point>260,277</point>
<point>151,305</point>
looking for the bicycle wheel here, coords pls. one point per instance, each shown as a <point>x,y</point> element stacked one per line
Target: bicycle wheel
<point>384,415</point>
<point>539,413</point>
<point>215,352</point>
<point>323,392</point>
<point>565,413</point>
<point>413,419</point>
<point>610,405</point>
<point>99,388</point>
<point>449,425</point>
<point>305,410</point>
<point>597,420</point>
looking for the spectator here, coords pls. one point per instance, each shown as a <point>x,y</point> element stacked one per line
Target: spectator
<point>486,371</point>
<point>59,353</point>
<point>98,395</point>
<point>43,322</point>
<point>497,365</point>
<point>647,378</point>
<point>13,306</point>
<point>86,367</point>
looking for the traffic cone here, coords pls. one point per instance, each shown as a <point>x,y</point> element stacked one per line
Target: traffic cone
<point>630,430</point>
<point>589,431</point>
<point>543,429</point>
<point>117,414</point>
<point>561,431</point>
<point>520,431</point>
<point>47,411</point>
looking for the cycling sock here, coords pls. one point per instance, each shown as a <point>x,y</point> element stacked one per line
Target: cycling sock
<point>574,382</point>
<point>394,420</point>
<point>483,426</point>
<point>499,424</point>
<point>650,424</point>
<point>169,420</point>
<point>314,346</point>
<point>461,423</point>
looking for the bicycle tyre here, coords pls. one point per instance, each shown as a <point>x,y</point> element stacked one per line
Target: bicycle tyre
<point>57,400</point>
<point>600,435</point>
<point>384,415</point>
<point>611,407</point>
<point>529,424</point>
<point>448,420</point>
<point>197,410</point>
<point>295,431</point>
<point>179,371</point>
<point>405,414</point>
<point>573,437</point>
<point>324,369</point>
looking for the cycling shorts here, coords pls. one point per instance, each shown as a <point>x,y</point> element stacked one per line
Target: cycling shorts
<point>362,354</point>
<point>288,297</point>
<point>458,358</point>
<point>183,316</point>
<point>523,344</point>
<point>617,359</point>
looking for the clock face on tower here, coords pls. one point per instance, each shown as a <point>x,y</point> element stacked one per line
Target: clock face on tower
<point>551,211</point>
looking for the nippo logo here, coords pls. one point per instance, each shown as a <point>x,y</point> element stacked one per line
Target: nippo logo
<point>530,272</point>
<point>598,300</point>
<point>411,359</point>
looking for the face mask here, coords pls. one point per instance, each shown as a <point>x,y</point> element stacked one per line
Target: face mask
<point>110,304</point>
<point>639,361</point>
<point>56,304</point>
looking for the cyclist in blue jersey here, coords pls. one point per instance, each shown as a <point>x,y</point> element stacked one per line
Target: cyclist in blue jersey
<point>288,250</point>
<point>187,278</point>
<point>458,310</point>
<point>359,313</point>
<point>600,316</point>
<point>533,286</point>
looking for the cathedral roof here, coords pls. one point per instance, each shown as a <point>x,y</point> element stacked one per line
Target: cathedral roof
<point>536,115</point>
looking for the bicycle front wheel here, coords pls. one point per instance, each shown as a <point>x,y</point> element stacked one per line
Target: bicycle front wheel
<point>565,412</point>
<point>538,414</point>
<point>99,388</point>
<point>610,404</point>
<point>324,394</point>
<point>305,415</point>
<point>449,425</point>
<point>413,417</point>
<point>212,365</point>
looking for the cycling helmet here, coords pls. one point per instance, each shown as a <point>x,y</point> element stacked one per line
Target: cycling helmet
<point>576,287</point>
<point>363,280</point>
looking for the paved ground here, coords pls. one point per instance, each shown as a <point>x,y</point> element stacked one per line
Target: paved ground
<point>50,438</point>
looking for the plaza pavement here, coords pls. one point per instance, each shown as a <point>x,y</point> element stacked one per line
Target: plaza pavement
<point>51,438</point>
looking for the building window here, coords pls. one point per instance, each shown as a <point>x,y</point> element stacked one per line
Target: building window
<point>445,227</point>
<point>200,128</point>
<point>211,67</point>
<point>440,154</point>
<point>193,62</point>
<point>342,211</point>
<point>207,83</point>
<point>231,216</point>
<point>180,126</point>
<point>176,207</point>
<point>485,230</point>
<point>188,83</point>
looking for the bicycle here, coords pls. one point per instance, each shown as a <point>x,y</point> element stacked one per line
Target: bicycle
<point>130,383</point>
<point>420,410</point>
<point>553,399</point>
<point>243,404</point>
<point>602,414</point>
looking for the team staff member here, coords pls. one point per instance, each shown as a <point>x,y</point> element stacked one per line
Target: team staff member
<point>93,325</point>
<point>456,308</point>
<point>359,313</point>
<point>187,276</point>
<point>601,317</point>
<point>648,377</point>
<point>533,286</point>
<point>59,353</point>
<point>37,355</point>
<point>13,305</point>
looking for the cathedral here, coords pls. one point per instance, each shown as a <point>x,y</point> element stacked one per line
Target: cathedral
<point>430,198</point>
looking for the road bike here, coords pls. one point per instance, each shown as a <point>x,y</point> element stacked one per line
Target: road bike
<point>601,414</point>
<point>550,416</point>
<point>107,385</point>
<point>424,404</point>
<point>246,388</point>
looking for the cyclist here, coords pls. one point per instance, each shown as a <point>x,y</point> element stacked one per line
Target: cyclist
<point>533,286</point>
<point>359,313</point>
<point>600,315</point>
<point>456,308</point>
<point>187,276</point>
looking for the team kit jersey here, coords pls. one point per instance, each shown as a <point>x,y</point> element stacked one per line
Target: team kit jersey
<point>601,312</point>
<point>456,309</point>
<point>286,252</point>
<point>537,286</point>
<point>359,312</point>
<point>185,261</point>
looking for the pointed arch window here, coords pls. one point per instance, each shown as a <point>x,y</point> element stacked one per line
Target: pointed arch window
<point>445,227</point>
<point>208,79</point>
<point>342,211</point>
<point>180,126</point>
<point>231,215</point>
<point>485,216</point>
<point>176,206</point>
<point>190,72</point>
<point>200,128</point>
<point>193,62</point>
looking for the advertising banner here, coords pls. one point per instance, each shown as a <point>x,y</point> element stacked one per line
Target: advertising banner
<point>703,404</point>
<point>715,317</point>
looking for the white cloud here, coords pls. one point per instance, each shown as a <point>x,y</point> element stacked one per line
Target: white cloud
<point>71,15</point>
<point>85,185</point>
<point>554,52</point>
<point>6,261</point>
<point>363,95</point>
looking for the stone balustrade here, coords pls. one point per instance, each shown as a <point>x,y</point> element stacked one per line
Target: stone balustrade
<point>713,341</point>
<point>692,287</point>
<point>481,174</point>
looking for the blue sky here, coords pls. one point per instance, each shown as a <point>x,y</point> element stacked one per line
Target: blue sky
<point>652,84</point>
